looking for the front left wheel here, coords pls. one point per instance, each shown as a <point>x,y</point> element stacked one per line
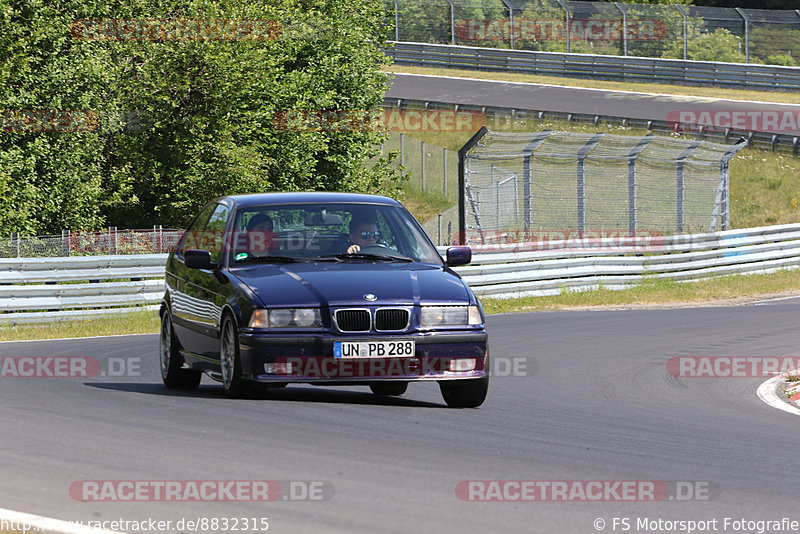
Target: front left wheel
<point>172,372</point>
<point>465,393</point>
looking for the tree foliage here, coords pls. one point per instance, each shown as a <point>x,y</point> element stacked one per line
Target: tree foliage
<point>182,121</point>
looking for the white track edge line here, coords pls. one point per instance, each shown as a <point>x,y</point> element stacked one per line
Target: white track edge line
<point>38,523</point>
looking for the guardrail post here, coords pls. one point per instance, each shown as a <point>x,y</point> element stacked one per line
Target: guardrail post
<point>624,28</point>
<point>746,33</point>
<point>680,185</point>
<point>685,32</point>
<point>582,181</point>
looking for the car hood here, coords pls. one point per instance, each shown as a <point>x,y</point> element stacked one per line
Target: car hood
<point>345,284</point>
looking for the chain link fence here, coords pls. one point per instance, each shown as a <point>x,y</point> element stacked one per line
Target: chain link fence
<point>519,185</point>
<point>615,28</point>
<point>70,243</point>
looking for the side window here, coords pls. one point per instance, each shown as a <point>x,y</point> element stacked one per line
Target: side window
<point>191,237</point>
<point>214,233</point>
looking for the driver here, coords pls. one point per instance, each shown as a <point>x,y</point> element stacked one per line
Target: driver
<point>363,232</point>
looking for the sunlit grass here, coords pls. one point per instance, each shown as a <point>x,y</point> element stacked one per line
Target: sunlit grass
<point>660,292</point>
<point>144,322</point>
<point>714,93</point>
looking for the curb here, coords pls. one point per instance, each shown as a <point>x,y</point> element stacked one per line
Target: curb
<point>27,523</point>
<point>767,392</point>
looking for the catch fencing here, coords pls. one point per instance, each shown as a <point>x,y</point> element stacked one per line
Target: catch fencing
<point>72,243</point>
<point>38,290</point>
<point>524,183</point>
<point>606,28</point>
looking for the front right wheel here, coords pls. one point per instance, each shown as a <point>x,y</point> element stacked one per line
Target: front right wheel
<point>465,393</point>
<point>172,372</point>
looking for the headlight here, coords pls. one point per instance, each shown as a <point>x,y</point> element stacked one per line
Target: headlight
<point>449,315</point>
<point>286,318</point>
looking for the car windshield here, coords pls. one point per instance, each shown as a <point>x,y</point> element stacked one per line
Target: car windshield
<point>338,232</point>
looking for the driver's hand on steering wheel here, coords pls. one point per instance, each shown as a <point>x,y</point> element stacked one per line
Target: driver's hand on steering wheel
<point>352,249</point>
<point>365,234</point>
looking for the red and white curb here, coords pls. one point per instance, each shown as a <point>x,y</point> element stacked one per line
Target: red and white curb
<point>767,393</point>
<point>23,523</point>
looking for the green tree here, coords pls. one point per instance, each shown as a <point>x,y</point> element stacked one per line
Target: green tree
<point>720,45</point>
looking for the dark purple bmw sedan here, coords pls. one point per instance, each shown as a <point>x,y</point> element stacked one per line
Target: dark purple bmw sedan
<point>320,288</point>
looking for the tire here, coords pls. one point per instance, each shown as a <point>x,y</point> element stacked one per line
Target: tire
<point>230,363</point>
<point>392,389</point>
<point>171,361</point>
<point>465,393</point>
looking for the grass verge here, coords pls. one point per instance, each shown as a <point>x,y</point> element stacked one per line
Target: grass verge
<point>144,322</point>
<point>722,290</point>
<point>712,93</point>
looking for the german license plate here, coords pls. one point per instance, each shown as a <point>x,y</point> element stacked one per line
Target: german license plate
<point>373,349</point>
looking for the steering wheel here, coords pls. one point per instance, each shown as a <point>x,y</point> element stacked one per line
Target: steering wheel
<point>375,248</point>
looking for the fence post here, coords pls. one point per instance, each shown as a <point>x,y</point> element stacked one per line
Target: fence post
<point>422,158</point>
<point>680,184</point>
<point>567,18</point>
<point>452,22</point>
<point>632,182</point>
<point>746,33</point>
<point>65,242</point>
<point>14,241</point>
<point>445,172</point>
<point>510,22</point>
<point>402,154</point>
<point>396,22</point>
<point>582,181</point>
<point>439,237</point>
<point>685,31</point>
<point>624,29</point>
<point>112,239</point>
<point>527,210</point>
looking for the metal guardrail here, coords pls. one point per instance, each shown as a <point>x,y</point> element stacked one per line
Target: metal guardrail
<point>615,68</point>
<point>548,267</point>
<point>784,143</point>
<point>87,287</point>
<point>37,290</point>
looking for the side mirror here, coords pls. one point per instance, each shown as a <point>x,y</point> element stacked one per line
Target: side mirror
<point>458,256</point>
<point>198,259</point>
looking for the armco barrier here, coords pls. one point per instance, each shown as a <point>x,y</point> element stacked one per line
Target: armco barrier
<point>86,287</point>
<point>616,68</point>
<point>51,289</point>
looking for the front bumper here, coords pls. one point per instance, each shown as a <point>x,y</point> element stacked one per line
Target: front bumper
<point>309,358</point>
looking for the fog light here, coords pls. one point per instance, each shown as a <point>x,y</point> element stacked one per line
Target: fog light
<point>462,364</point>
<point>278,368</point>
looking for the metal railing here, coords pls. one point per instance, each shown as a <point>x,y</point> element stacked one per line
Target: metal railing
<point>45,289</point>
<point>784,143</point>
<point>615,68</point>
<point>610,28</point>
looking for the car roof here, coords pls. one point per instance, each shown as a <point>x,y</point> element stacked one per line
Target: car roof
<point>261,199</point>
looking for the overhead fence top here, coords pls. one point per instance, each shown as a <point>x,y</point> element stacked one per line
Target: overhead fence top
<point>517,184</point>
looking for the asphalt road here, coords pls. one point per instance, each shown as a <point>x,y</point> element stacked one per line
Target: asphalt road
<point>592,401</point>
<point>589,101</point>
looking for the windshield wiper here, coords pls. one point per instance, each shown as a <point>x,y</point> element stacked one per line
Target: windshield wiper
<point>271,259</point>
<point>363,256</point>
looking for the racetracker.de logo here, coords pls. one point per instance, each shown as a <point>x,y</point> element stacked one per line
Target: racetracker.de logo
<point>584,490</point>
<point>720,120</point>
<point>731,366</point>
<point>572,240</point>
<point>175,30</point>
<point>67,367</point>
<point>48,120</point>
<point>378,120</point>
<point>557,30</point>
<point>176,490</point>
